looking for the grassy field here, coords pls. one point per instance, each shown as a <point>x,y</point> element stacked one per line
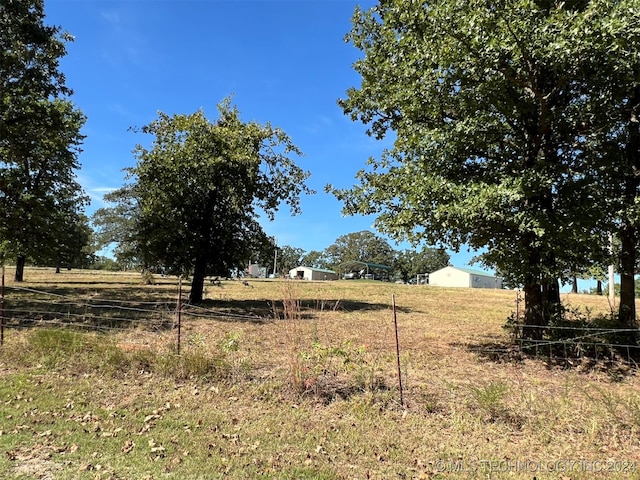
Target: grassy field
<point>302,385</point>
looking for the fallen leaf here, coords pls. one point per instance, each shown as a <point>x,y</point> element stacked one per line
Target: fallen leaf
<point>128,446</point>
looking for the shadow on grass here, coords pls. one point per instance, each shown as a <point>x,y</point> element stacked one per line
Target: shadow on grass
<point>90,308</point>
<point>151,307</point>
<point>615,365</point>
<point>269,310</point>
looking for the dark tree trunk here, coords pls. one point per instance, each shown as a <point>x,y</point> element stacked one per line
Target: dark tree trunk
<point>533,299</point>
<point>628,233</point>
<point>197,284</point>
<point>552,302</point>
<point>627,312</point>
<point>20,262</point>
<point>533,311</point>
<point>541,298</point>
<point>574,285</point>
<point>551,297</point>
<point>599,287</point>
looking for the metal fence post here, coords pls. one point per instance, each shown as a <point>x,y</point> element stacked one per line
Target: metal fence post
<point>179,311</point>
<point>395,322</point>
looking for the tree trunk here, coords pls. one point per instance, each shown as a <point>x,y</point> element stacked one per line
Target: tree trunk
<point>533,311</point>
<point>627,311</point>
<point>599,287</point>
<point>574,285</point>
<point>197,284</point>
<point>628,233</point>
<point>551,297</point>
<point>20,262</point>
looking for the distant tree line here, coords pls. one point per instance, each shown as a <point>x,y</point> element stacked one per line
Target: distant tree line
<point>365,246</point>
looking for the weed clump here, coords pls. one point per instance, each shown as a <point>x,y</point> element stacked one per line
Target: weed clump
<point>327,370</point>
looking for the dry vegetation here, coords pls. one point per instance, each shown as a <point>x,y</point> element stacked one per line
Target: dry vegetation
<point>308,391</point>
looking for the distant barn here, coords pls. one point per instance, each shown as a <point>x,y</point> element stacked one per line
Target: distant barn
<point>463,277</point>
<point>310,273</point>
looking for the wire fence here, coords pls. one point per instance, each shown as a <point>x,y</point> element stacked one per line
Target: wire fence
<point>27,308</point>
<point>568,343</point>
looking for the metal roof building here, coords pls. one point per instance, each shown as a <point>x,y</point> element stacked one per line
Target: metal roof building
<point>463,277</point>
<point>310,273</point>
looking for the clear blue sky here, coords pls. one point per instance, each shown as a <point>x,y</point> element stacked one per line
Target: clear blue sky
<point>284,61</point>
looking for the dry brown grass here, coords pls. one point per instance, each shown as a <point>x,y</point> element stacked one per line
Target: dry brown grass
<point>288,406</point>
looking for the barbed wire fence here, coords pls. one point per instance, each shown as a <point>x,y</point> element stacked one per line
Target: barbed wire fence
<point>573,341</point>
<point>32,308</point>
<point>577,343</point>
<point>24,308</point>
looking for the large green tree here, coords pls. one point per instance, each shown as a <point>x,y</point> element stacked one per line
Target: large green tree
<point>612,130</point>
<point>364,246</point>
<point>487,103</point>
<point>40,138</point>
<point>289,257</point>
<point>74,247</point>
<point>115,227</point>
<point>194,196</point>
<point>315,258</point>
<point>409,263</point>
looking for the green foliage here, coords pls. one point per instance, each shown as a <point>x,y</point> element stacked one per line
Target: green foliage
<point>289,257</point>
<point>502,142</point>
<point>55,343</point>
<point>196,364</point>
<point>361,246</point>
<point>56,348</point>
<point>115,226</point>
<point>40,199</point>
<point>106,263</point>
<point>230,342</point>
<point>73,248</point>
<point>192,204</point>
<point>324,366</point>
<point>315,258</point>
<point>239,364</point>
<point>59,348</point>
<point>409,263</point>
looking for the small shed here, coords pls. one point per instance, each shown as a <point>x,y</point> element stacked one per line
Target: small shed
<point>463,277</point>
<point>311,273</point>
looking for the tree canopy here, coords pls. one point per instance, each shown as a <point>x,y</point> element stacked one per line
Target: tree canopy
<point>289,257</point>
<point>40,199</point>
<point>410,263</point>
<point>499,136</point>
<point>194,196</point>
<point>361,246</point>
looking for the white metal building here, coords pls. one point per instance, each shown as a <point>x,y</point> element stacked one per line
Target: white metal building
<point>463,277</point>
<point>310,273</point>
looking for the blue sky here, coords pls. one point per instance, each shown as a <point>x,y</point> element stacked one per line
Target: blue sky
<point>284,62</point>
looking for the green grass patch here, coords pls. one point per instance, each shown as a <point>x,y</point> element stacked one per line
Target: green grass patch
<point>307,394</point>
